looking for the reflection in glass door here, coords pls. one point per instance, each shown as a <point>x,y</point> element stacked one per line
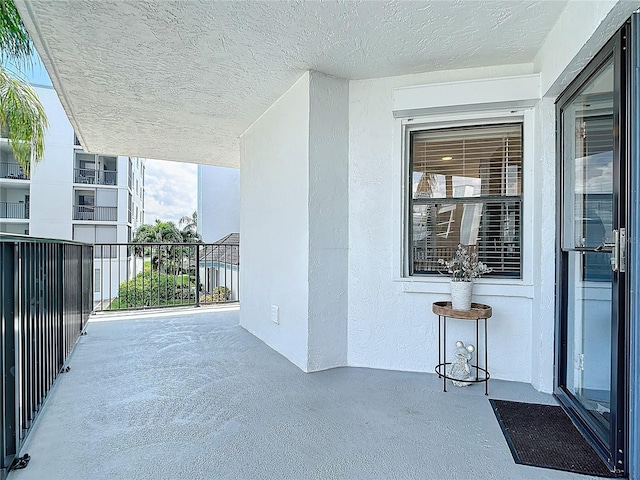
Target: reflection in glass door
<point>592,241</point>
<point>588,242</point>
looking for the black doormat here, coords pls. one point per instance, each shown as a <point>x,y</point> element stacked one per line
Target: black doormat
<point>544,436</point>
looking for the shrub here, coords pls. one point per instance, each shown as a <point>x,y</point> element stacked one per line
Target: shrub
<point>146,290</point>
<point>184,292</point>
<point>219,295</point>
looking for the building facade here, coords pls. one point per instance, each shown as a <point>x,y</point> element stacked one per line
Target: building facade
<point>218,202</point>
<point>72,194</point>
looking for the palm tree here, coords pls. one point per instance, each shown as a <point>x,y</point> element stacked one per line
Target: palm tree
<point>191,236</point>
<point>22,117</point>
<point>189,222</point>
<point>161,232</point>
<point>189,230</point>
<point>165,257</point>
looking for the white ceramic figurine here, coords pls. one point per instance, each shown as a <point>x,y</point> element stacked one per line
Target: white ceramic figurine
<point>460,369</point>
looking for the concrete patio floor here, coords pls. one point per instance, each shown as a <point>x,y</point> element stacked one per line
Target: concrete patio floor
<point>186,395</point>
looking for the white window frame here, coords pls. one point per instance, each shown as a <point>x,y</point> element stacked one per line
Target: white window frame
<point>522,287</point>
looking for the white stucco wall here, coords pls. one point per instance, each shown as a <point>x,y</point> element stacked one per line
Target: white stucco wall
<point>51,192</point>
<point>390,324</point>
<point>544,237</point>
<point>294,210</point>
<point>578,34</point>
<point>390,320</point>
<point>274,224</point>
<point>123,209</point>
<point>328,221</point>
<point>218,202</point>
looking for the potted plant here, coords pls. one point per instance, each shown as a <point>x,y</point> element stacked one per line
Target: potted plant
<point>463,266</point>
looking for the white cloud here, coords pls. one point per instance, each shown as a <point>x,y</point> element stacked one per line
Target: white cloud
<point>170,190</point>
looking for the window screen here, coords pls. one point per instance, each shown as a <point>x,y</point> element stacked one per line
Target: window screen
<point>106,197</point>
<point>84,233</point>
<point>466,187</point>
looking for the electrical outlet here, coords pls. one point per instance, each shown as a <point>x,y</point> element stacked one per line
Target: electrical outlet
<point>275,314</point>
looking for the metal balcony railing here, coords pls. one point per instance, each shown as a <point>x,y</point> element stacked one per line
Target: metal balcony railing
<point>18,210</point>
<point>136,276</point>
<point>46,289</point>
<point>12,171</point>
<point>98,214</point>
<point>90,176</point>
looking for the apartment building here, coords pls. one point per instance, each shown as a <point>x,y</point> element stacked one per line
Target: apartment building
<point>218,202</point>
<point>73,195</point>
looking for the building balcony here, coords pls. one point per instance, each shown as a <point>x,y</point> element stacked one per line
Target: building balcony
<point>12,171</point>
<point>140,387</point>
<point>88,176</point>
<point>143,387</point>
<point>14,210</point>
<point>94,213</point>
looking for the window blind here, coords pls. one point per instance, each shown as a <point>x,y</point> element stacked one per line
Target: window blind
<point>466,187</point>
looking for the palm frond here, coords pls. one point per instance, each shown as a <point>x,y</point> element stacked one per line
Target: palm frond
<point>190,222</point>
<point>24,117</point>
<point>15,42</point>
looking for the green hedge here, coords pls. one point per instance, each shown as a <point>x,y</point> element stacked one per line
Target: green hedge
<point>146,290</point>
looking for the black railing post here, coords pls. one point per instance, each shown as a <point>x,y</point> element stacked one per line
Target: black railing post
<point>61,307</point>
<point>197,275</point>
<point>8,280</point>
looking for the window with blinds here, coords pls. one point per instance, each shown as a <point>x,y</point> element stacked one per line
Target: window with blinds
<point>466,188</point>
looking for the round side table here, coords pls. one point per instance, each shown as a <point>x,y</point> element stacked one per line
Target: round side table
<point>477,312</point>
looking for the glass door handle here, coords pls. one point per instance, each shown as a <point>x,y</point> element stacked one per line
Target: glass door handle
<point>622,250</point>
<point>617,249</point>
<point>605,247</point>
<point>615,255</point>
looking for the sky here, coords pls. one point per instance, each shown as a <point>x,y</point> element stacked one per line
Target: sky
<point>170,187</point>
<point>170,190</point>
<point>37,74</point>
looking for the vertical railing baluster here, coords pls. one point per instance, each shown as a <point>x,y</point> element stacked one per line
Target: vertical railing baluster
<point>101,250</point>
<point>197,272</point>
<point>230,271</point>
<point>135,273</point>
<point>143,270</point>
<point>110,260</point>
<point>33,306</point>
<point>225,271</point>
<point>237,273</point>
<point>61,310</point>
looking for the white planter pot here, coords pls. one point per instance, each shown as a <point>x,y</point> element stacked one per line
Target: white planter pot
<point>461,295</point>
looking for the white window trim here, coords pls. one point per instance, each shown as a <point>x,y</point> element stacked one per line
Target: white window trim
<point>522,287</point>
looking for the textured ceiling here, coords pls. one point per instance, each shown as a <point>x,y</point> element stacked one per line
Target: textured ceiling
<point>182,80</point>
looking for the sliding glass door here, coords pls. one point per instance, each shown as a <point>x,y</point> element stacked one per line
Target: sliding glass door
<point>592,252</point>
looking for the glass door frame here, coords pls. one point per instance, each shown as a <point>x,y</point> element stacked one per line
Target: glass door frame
<point>613,447</point>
